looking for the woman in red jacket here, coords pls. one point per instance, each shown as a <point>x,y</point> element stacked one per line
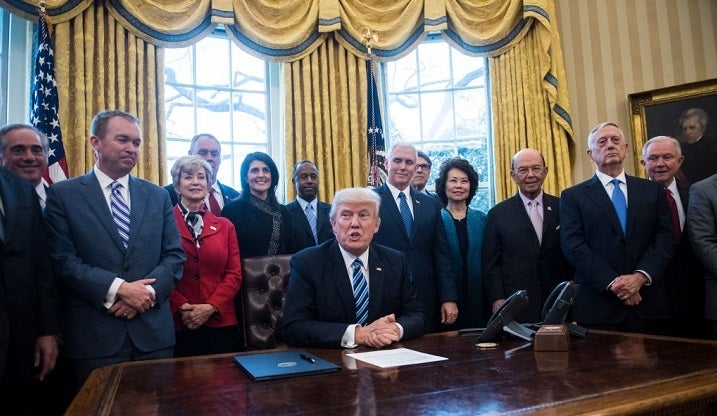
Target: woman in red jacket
<point>203,300</point>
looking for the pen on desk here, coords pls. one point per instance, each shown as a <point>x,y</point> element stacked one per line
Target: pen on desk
<point>307,358</point>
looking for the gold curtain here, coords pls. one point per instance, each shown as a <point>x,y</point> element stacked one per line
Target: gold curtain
<point>325,108</point>
<point>100,65</point>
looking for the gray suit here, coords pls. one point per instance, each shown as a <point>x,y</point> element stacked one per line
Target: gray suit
<point>702,223</point>
<point>88,255</point>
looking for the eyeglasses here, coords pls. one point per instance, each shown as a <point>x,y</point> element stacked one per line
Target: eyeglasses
<point>522,171</point>
<point>424,166</point>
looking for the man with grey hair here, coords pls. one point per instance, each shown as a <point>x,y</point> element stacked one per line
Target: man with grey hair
<point>700,151</point>
<point>351,291</point>
<point>617,232</point>
<point>411,223</point>
<point>24,150</point>
<point>662,158</point>
<point>207,147</point>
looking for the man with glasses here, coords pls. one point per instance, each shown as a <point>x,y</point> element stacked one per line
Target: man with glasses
<point>521,248</point>
<point>423,172</point>
<point>617,232</point>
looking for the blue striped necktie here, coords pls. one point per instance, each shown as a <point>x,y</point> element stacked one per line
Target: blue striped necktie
<point>360,292</point>
<point>120,212</point>
<point>406,214</point>
<point>311,217</point>
<point>620,204</point>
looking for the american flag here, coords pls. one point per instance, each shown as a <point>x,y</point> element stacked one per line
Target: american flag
<point>44,110</point>
<point>376,143</point>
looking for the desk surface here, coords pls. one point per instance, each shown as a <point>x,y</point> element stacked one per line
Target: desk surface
<point>611,372</point>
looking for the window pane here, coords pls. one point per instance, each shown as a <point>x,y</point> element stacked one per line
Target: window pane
<point>178,65</point>
<point>401,75</point>
<point>250,117</point>
<point>405,112</point>
<point>437,116</point>
<point>179,111</point>
<point>468,71</point>
<point>213,62</point>
<point>434,66</point>
<point>213,112</point>
<point>239,152</point>
<point>248,72</point>
<point>471,113</point>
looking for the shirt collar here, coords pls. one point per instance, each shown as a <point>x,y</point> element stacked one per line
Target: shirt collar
<point>105,180</point>
<point>395,191</point>
<point>349,258</point>
<point>538,199</point>
<point>605,179</point>
<point>303,203</point>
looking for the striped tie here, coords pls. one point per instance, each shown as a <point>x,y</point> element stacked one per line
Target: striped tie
<point>120,212</point>
<point>360,292</point>
<point>311,217</point>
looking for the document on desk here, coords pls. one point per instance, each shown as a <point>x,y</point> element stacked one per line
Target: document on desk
<point>395,357</point>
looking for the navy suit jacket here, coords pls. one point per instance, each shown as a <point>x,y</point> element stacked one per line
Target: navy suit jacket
<point>29,300</point>
<point>513,259</point>
<point>427,250</point>
<point>88,256</point>
<point>320,302</point>
<point>593,241</point>
<point>228,193</point>
<point>301,230</point>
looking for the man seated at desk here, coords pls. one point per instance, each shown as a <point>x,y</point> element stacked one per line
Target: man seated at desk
<point>349,292</point>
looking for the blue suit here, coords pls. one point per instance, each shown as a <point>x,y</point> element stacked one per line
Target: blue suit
<point>301,230</point>
<point>593,241</point>
<point>426,250</point>
<point>88,256</point>
<point>320,302</point>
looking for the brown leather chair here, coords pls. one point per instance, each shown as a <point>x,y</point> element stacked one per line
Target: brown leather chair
<point>263,289</point>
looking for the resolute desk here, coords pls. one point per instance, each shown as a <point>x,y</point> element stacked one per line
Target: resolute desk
<point>607,373</point>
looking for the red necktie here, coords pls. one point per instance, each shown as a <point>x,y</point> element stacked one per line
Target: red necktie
<point>214,204</point>
<point>675,216</point>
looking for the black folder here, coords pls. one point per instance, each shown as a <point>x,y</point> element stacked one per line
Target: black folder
<point>283,364</point>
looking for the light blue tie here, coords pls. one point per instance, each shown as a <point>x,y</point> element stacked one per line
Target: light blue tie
<point>360,292</point>
<point>620,204</point>
<point>120,212</point>
<point>406,214</point>
<point>311,216</point>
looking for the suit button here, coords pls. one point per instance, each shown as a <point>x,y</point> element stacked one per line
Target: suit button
<point>196,259</point>
<point>196,277</point>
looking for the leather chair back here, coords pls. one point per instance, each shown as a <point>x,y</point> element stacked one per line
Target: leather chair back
<point>264,281</point>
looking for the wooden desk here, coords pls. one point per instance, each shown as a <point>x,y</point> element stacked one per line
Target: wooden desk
<point>606,372</point>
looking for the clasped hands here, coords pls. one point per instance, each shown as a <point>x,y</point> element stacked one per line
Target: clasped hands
<point>133,298</point>
<point>194,316</point>
<point>379,333</point>
<point>627,288</point>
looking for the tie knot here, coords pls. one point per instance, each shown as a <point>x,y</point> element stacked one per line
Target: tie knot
<point>116,186</point>
<point>401,195</point>
<point>615,182</point>
<point>357,263</point>
<point>309,207</point>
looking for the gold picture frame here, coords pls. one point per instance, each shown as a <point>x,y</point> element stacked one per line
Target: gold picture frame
<point>657,112</point>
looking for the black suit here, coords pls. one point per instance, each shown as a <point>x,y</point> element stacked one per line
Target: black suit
<point>320,302</point>
<point>29,299</point>
<point>426,250</point>
<point>593,241</point>
<point>301,230</point>
<point>228,193</point>
<point>513,259</point>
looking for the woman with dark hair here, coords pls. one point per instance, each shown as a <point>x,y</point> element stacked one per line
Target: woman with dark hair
<point>456,186</point>
<point>263,225</point>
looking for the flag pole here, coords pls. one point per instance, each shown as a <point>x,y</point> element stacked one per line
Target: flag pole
<point>376,142</point>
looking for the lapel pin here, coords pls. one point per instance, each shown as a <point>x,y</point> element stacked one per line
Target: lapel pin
<point>378,269</point>
<point>550,209</point>
<point>213,227</point>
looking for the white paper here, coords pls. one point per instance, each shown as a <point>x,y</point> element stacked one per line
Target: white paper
<point>395,357</point>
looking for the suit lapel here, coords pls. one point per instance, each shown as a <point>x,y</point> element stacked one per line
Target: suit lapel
<point>376,283</point>
<point>635,195</point>
<point>95,197</point>
<point>8,202</point>
<point>138,198</point>
<point>596,192</point>
<point>303,221</point>
<point>392,209</point>
<point>519,212</point>
<point>337,268</point>
<point>419,212</point>
<point>550,206</point>
<point>321,221</point>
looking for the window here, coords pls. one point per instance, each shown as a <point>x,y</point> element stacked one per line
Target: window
<point>437,98</point>
<point>16,38</point>
<point>215,87</point>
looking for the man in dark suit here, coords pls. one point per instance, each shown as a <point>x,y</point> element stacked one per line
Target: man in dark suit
<point>326,303</point>
<point>419,234</point>
<point>617,232</point>
<point>662,158</point>
<point>117,252</point>
<point>422,174</point>
<point>208,148</point>
<point>700,151</point>
<point>29,300</point>
<point>24,151</point>
<point>702,223</point>
<point>520,252</point>
<point>306,180</point>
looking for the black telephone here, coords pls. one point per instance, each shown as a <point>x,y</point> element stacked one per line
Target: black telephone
<point>557,306</point>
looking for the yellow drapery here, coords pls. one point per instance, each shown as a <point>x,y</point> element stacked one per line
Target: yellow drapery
<point>519,37</point>
<point>100,65</point>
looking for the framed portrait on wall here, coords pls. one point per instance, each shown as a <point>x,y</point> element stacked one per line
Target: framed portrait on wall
<point>687,112</point>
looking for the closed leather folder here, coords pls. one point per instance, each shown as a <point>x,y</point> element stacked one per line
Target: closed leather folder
<point>283,364</point>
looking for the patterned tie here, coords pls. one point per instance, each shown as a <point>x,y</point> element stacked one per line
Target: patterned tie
<point>406,214</point>
<point>360,292</point>
<point>533,207</point>
<point>675,215</point>
<point>120,212</point>
<point>620,204</point>
<point>311,216</point>
<point>213,203</point>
